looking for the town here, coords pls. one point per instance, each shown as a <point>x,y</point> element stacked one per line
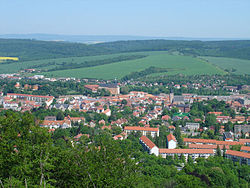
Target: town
<point>188,125</point>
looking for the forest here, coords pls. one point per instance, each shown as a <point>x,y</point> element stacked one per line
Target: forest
<point>33,157</point>
<point>34,50</point>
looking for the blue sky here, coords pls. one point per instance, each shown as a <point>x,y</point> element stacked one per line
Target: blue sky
<point>169,18</point>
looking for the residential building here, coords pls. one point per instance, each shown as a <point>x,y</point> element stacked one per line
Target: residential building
<point>149,145</point>
<point>194,153</point>
<point>238,156</point>
<point>227,136</point>
<point>245,149</point>
<point>144,130</point>
<point>171,141</point>
<point>241,129</point>
<point>192,126</point>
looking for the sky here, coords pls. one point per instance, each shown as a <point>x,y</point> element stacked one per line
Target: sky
<point>161,18</point>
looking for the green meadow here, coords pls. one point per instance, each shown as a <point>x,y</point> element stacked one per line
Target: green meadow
<point>177,64</point>
<point>241,66</point>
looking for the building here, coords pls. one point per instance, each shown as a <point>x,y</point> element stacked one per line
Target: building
<point>245,149</point>
<point>245,141</point>
<point>192,126</point>
<point>209,141</point>
<point>56,124</point>
<point>149,146</point>
<point>208,146</point>
<point>92,88</point>
<point>239,129</point>
<point>171,141</point>
<point>37,98</point>
<point>194,153</point>
<point>238,156</point>
<point>227,136</point>
<point>114,89</point>
<point>144,130</point>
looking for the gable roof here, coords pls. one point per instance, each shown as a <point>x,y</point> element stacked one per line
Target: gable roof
<point>171,137</point>
<point>189,151</point>
<point>147,141</point>
<point>141,128</point>
<point>238,154</point>
<point>206,146</point>
<point>245,148</point>
<point>210,141</point>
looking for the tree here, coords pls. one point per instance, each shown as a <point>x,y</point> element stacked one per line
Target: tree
<point>218,151</point>
<point>177,134</point>
<point>210,120</point>
<point>60,115</point>
<point>124,102</point>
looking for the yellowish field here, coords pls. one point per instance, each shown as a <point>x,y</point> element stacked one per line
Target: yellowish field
<point>9,58</point>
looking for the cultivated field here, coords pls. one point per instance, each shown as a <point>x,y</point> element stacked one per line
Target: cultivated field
<point>52,63</point>
<point>3,59</point>
<point>241,66</point>
<point>174,63</point>
<point>177,64</point>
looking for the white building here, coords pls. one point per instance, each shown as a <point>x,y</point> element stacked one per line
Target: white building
<point>144,130</point>
<point>171,141</point>
<point>194,153</point>
<point>149,146</point>
<point>193,126</point>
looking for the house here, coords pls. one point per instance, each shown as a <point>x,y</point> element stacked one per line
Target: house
<point>215,113</point>
<point>165,118</point>
<point>144,130</point>
<point>107,112</point>
<point>120,136</point>
<point>222,119</point>
<point>171,141</point>
<point>227,136</point>
<point>192,126</point>
<point>184,108</point>
<point>149,145</point>
<point>75,119</point>
<point>56,124</point>
<point>241,129</point>
<point>50,118</point>
<point>238,156</point>
<point>63,107</point>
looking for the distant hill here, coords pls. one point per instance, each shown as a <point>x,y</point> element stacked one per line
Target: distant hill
<point>93,39</point>
<point>35,50</point>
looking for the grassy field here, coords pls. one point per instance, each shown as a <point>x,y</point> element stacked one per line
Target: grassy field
<point>13,67</point>
<point>177,64</point>
<point>241,66</point>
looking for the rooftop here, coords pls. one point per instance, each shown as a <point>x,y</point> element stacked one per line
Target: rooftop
<point>147,141</point>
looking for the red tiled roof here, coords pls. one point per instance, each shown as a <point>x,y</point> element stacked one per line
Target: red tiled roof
<point>26,95</point>
<point>197,140</point>
<point>238,153</point>
<point>190,151</point>
<point>171,137</point>
<point>244,140</point>
<point>166,117</point>
<point>147,141</point>
<point>215,113</point>
<point>245,148</point>
<point>206,146</point>
<point>141,128</point>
